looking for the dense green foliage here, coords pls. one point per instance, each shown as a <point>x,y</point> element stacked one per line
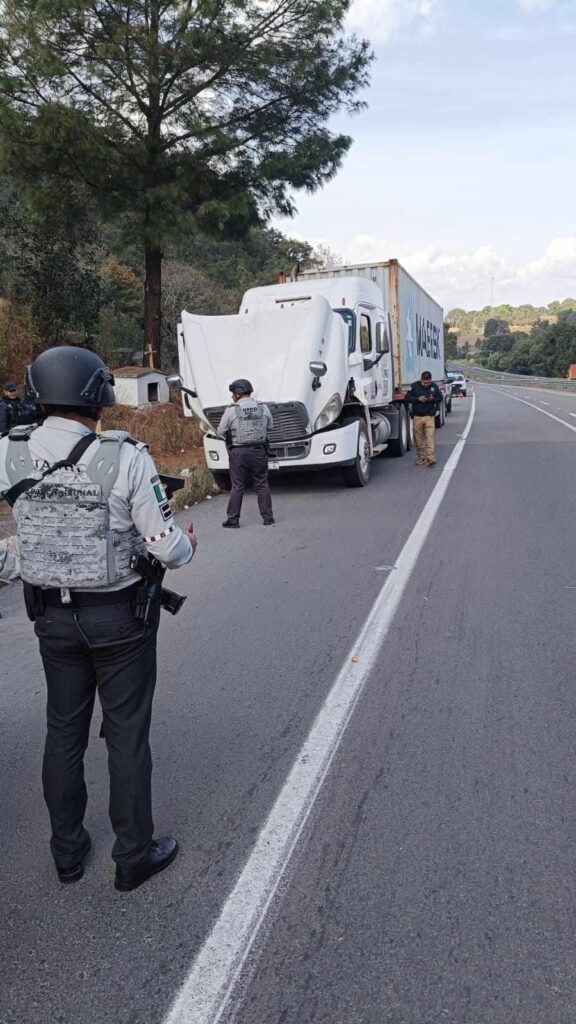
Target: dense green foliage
<point>77,279</point>
<point>523,317</point>
<point>547,351</point>
<point>539,341</point>
<point>175,116</point>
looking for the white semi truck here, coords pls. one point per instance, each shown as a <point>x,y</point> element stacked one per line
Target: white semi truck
<point>332,353</point>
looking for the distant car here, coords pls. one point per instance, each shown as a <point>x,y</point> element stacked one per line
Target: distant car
<point>458,382</point>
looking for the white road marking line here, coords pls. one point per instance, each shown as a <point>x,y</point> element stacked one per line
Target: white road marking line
<point>573,414</point>
<point>208,991</point>
<point>529,390</point>
<point>537,407</point>
<point>543,403</point>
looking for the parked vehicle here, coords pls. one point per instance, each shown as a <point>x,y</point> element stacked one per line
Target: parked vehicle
<point>446,389</point>
<point>332,353</point>
<point>459,383</point>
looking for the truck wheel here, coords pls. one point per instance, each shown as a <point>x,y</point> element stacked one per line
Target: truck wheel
<point>440,417</point>
<point>449,406</point>
<point>401,444</point>
<point>222,479</point>
<point>358,474</point>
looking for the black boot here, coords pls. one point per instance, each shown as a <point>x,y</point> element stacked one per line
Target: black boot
<point>161,853</point>
<point>70,875</point>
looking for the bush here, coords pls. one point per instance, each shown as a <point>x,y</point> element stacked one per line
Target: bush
<point>197,486</point>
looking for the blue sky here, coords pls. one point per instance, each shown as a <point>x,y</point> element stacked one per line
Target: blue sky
<point>464,164</point>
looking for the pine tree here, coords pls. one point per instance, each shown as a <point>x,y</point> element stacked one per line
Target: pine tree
<point>168,110</point>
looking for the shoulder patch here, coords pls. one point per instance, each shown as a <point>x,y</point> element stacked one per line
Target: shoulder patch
<point>160,493</point>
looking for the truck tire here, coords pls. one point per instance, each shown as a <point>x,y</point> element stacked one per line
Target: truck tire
<point>449,405</point>
<point>358,474</point>
<point>222,479</point>
<point>440,416</point>
<point>401,444</point>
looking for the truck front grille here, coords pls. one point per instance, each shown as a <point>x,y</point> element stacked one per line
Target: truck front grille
<point>290,420</point>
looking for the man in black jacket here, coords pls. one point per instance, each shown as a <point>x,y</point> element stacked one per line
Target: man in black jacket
<point>13,411</point>
<point>424,398</point>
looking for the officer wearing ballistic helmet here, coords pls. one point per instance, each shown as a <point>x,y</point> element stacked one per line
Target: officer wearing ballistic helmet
<point>86,506</point>
<point>246,426</point>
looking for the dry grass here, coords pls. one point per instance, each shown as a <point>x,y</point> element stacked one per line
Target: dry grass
<point>163,427</point>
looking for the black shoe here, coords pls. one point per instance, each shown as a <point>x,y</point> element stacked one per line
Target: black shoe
<point>269,522</point>
<point>161,853</point>
<point>231,524</point>
<point>70,875</point>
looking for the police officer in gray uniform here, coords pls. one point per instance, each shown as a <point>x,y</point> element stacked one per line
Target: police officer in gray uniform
<point>85,505</point>
<point>246,426</point>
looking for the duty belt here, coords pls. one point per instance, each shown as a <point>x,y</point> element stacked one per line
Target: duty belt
<point>52,598</point>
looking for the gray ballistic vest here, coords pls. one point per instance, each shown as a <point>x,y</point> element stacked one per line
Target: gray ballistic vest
<point>63,521</point>
<point>250,425</point>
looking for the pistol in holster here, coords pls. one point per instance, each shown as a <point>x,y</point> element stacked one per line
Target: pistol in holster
<point>152,572</point>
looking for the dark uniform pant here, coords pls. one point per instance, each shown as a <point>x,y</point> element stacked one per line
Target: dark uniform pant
<point>249,465</point>
<point>102,648</point>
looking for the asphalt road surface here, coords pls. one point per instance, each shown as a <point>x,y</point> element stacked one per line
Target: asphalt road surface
<point>434,880</point>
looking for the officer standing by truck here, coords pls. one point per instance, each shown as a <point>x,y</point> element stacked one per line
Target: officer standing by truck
<point>246,426</point>
<point>424,399</point>
<point>86,506</point>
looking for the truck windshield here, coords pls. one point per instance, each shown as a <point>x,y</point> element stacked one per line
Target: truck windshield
<point>350,320</point>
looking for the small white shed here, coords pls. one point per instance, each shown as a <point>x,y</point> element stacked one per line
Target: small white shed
<point>139,385</point>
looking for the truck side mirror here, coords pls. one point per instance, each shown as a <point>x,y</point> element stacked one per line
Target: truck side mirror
<point>177,384</point>
<point>382,337</point>
<point>318,369</point>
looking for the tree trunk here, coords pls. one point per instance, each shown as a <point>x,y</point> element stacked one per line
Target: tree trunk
<point>153,308</point>
<point>153,285</point>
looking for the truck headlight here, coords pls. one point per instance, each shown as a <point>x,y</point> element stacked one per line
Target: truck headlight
<point>329,413</point>
<point>214,456</point>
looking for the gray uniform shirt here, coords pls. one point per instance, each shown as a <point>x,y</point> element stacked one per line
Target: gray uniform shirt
<point>137,497</point>
<point>229,421</point>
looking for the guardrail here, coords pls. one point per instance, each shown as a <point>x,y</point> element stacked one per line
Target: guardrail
<point>481,374</point>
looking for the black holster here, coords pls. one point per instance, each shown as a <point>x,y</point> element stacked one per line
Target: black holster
<point>33,601</point>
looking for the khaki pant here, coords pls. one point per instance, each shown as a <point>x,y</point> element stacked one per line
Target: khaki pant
<point>424,430</point>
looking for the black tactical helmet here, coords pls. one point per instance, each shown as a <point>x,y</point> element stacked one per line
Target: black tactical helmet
<point>66,375</point>
<point>241,387</point>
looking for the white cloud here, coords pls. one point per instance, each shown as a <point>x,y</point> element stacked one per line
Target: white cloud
<point>380,20</point>
<point>532,6</point>
<point>467,278</point>
<point>511,33</point>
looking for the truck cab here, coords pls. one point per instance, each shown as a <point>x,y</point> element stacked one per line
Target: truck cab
<point>319,355</point>
<point>332,355</point>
